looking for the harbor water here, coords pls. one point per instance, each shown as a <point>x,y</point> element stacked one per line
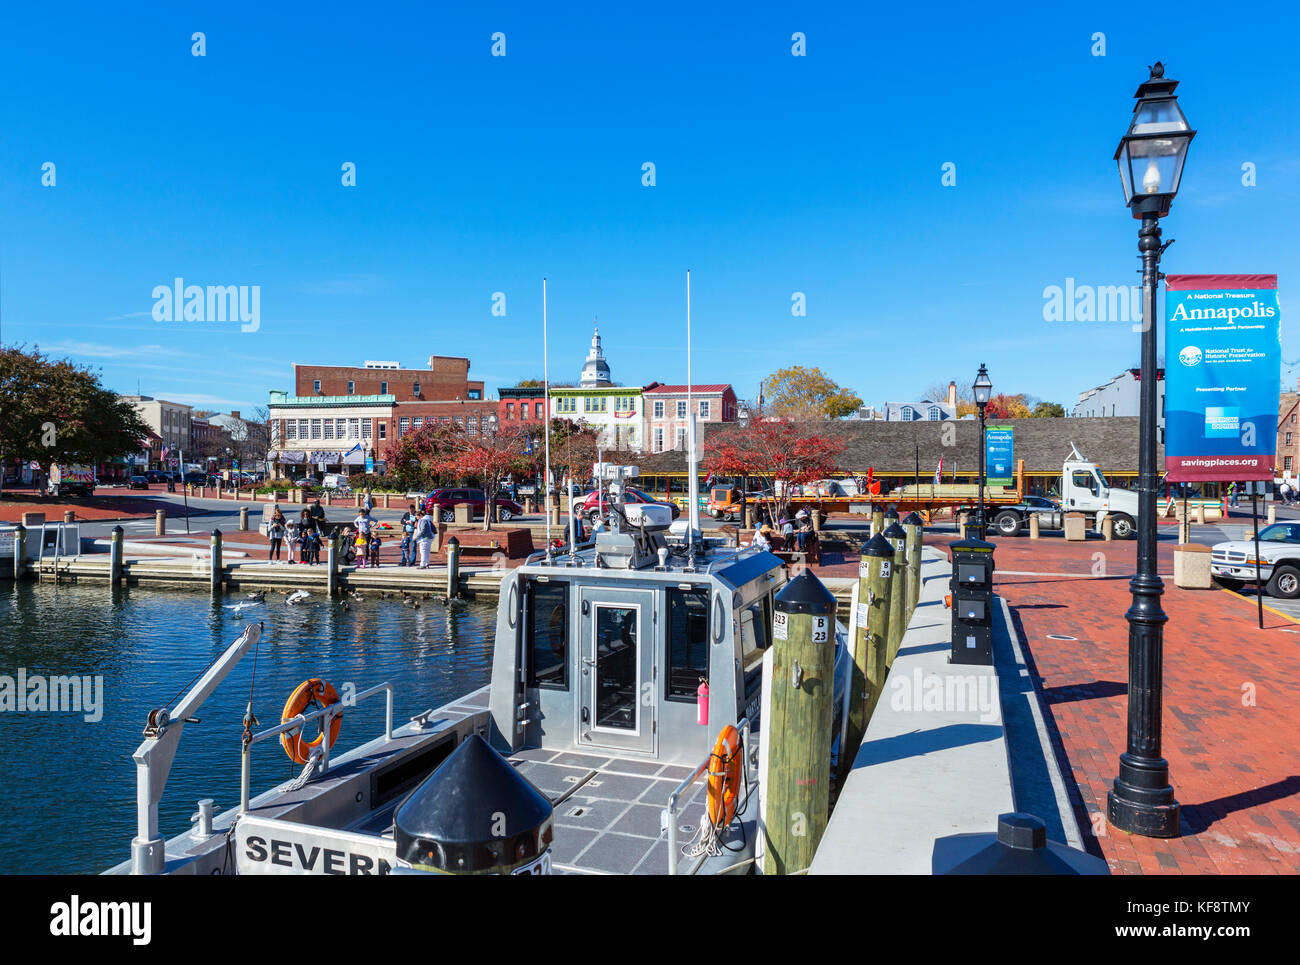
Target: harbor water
<point>67,783</point>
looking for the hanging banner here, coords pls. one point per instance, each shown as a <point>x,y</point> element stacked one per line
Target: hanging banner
<point>999,448</point>
<point>1223,376</point>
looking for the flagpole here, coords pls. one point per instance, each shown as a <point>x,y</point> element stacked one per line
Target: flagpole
<point>693,490</point>
<point>185,492</point>
<point>546,394</point>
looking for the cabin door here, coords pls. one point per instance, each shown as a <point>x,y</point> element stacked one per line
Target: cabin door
<point>616,679</point>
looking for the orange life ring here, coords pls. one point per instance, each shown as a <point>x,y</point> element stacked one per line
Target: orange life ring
<point>724,777</point>
<point>313,691</point>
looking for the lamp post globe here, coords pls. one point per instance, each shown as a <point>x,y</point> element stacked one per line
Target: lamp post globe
<point>1150,157</point>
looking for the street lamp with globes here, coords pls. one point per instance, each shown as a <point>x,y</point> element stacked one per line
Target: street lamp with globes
<point>1150,157</point>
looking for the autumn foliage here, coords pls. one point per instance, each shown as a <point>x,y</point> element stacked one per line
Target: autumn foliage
<point>775,456</point>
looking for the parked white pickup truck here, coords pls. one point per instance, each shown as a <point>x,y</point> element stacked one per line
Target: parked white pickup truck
<point>1232,564</point>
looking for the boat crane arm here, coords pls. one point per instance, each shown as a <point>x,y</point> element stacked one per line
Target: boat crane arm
<point>153,758</point>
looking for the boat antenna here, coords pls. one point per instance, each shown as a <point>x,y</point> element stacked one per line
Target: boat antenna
<point>546,394</point>
<point>692,461</point>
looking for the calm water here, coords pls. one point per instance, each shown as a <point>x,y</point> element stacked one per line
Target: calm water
<point>67,786</point>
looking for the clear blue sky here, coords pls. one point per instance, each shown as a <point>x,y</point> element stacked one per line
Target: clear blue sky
<point>477,174</point>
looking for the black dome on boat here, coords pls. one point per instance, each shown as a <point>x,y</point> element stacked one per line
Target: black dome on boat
<point>475,813</point>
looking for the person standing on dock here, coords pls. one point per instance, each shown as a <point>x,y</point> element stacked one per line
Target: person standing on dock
<point>275,531</point>
<point>318,516</point>
<point>408,538</point>
<point>292,536</point>
<point>424,538</point>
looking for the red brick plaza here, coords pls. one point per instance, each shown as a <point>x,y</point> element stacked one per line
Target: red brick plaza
<point>1231,718</point>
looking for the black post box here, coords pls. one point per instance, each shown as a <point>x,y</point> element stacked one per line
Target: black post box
<point>972,602</point>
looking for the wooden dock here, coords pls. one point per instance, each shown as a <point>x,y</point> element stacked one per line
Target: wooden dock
<point>261,574</point>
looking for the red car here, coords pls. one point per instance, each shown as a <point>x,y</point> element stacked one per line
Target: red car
<point>442,503</point>
<point>589,508</point>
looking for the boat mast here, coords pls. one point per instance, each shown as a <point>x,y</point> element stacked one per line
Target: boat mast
<point>546,394</point>
<point>693,480</point>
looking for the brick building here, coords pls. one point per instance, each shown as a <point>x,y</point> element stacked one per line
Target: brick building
<point>521,404</point>
<point>667,406</point>
<point>1288,433</point>
<point>340,414</point>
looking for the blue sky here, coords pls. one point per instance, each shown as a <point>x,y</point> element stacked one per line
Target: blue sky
<point>477,174</point>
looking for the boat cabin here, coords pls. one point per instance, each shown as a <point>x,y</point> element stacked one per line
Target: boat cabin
<point>615,658</point>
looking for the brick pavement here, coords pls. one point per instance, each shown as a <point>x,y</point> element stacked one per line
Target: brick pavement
<point>1231,721</point>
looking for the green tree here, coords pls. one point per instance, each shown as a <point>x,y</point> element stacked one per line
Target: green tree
<point>1049,410</point>
<point>804,393</point>
<point>58,412</point>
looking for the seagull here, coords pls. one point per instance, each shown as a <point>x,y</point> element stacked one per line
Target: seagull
<point>242,605</point>
<point>296,596</point>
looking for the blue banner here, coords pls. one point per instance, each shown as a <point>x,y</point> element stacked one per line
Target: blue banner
<point>999,450</point>
<point>1223,374</point>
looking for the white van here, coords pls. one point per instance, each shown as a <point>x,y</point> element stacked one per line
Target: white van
<point>334,480</point>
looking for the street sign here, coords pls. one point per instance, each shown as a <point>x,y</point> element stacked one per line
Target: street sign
<point>999,450</point>
<point>1222,377</point>
<point>370,464</point>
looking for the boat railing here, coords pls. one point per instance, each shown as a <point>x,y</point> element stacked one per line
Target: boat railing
<point>326,715</point>
<point>558,554</point>
<point>670,812</point>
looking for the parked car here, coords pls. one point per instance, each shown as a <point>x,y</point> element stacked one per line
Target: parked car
<point>137,482</point>
<point>1009,520</point>
<point>195,479</point>
<point>590,507</point>
<point>156,476</point>
<point>1232,564</point>
<point>443,502</point>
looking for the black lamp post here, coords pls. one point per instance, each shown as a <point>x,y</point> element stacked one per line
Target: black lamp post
<point>1150,157</point>
<point>983,391</point>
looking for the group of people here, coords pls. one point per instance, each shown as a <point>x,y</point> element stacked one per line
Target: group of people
<point>801,532</point>
<point>300,536</point>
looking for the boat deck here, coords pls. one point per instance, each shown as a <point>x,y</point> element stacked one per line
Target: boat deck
<point>612,823</point>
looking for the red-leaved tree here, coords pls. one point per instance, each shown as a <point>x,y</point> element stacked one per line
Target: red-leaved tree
<point>779,455</point>
<point>489,459</point>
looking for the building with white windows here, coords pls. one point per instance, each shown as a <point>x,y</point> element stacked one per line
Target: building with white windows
<point>667,409</point>
<point>614,411</point>
<point>314,434</point>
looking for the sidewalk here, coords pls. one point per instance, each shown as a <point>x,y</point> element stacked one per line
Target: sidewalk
<point>1230,716</point>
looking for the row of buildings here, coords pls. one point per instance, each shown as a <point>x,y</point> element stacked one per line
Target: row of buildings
<point>342,418</point>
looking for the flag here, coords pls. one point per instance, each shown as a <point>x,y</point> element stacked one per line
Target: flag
<point>938,472</point>
<point>708,481</point>
<point>163,454</point>
<point>356,448</point>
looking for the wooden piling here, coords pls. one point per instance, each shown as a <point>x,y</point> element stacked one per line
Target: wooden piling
<point>453,568</point>
<point>20,551</point>
<point>332,567</point>
<point>914,530</point>
<point>214,554</point>
<point>877,520</point>
<point>799,705</point>
<point>897,538</point>
<point>870,644</point>
<point>115,546</point>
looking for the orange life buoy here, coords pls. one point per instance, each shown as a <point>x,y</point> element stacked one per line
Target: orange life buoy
<point>724,777</point>
<point>313,691</point>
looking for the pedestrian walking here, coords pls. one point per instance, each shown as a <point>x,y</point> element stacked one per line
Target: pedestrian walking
<point>369,501</point>
<point>424,538</point>
<point>1233,494</point>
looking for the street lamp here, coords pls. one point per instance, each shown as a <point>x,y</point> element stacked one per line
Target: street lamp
<point>983,392</point>
<point>1150,157</point>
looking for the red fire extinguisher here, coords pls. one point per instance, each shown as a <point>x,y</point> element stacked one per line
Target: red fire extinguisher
<point>702,703</point>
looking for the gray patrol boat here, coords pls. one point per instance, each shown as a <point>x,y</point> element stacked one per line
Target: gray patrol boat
<point>617,664</point>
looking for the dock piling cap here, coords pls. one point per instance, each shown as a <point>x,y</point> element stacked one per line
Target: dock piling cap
<point>894,531</point>
<point>878,546</point>
<point>1020,847</point>
<point>474,813</point>
<point>891,513</point>
<point>912,519</point>
<point>806,594</point>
